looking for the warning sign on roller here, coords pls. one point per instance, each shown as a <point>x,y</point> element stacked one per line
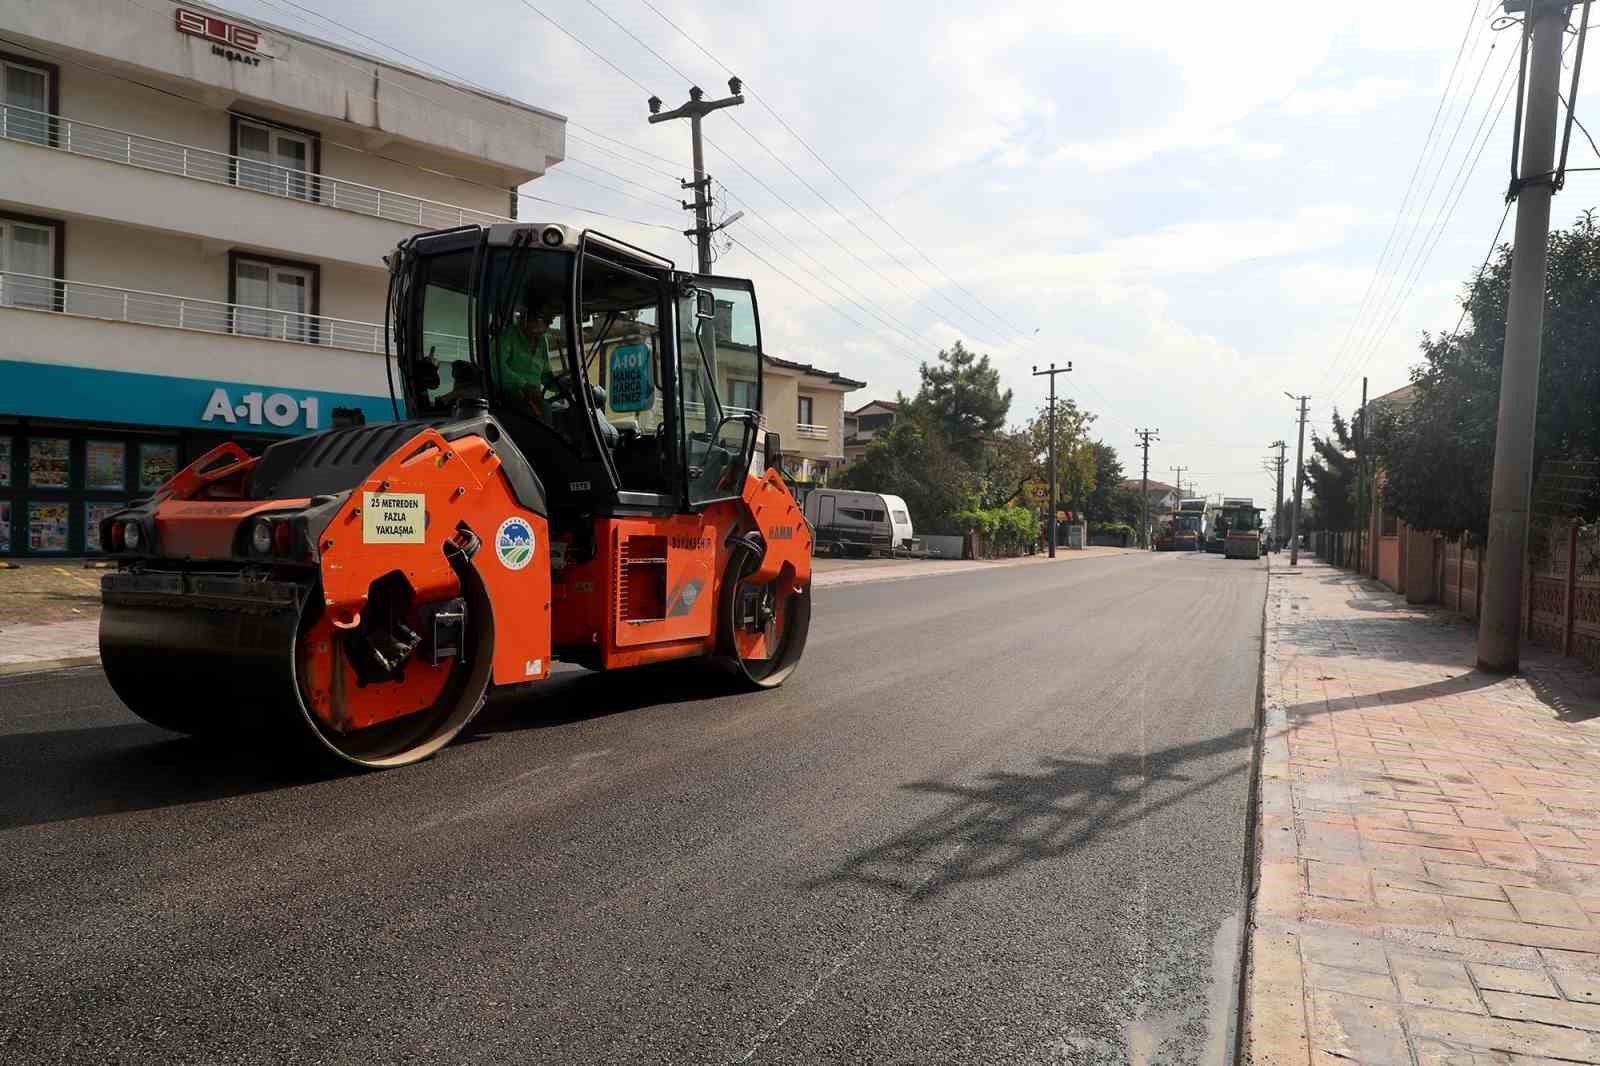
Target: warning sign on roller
<point>393,518</point>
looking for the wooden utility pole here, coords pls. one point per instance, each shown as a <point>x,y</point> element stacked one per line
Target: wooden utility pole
<point>1145,437</point>
<point>1051,373</point>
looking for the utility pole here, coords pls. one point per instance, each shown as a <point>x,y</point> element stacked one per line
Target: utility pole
<point>1178,470</point>
<point>1500,619</point>
<point>1145,437</point>
<point>695,109</point>
<point>1362,489</point>
<point>1277,501</point>
<point>1299,483</point>
<point>1051,374</point>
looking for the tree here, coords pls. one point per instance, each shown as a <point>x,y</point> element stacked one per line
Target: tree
<point>1008,464</point>
<point>1331,475</point>
<point>1103,505</point>
<point>1437,452</point>
<point>960,394</point>
<point>1075,460</point>
<point>912,460</point>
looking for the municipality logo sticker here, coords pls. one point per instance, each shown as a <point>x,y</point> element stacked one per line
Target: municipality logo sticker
<point>513,543</point>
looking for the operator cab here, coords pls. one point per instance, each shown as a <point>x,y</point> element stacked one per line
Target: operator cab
<point>630,387</point>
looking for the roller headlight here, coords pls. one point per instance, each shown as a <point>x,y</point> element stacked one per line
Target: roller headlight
<point>553,236</point>
<point>261,537</point>
<point>133,536</point>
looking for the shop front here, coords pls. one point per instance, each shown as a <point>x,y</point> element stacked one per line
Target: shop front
<point>77,443</point>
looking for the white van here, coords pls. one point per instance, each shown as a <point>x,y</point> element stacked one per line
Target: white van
<point>850,522</point>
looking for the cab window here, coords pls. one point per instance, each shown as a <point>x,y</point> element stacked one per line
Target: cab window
<point>622,361</point>
<point>720,356</point>
<point>533,372</point>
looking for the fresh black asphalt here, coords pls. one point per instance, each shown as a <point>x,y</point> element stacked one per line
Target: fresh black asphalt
<point>996,816</point>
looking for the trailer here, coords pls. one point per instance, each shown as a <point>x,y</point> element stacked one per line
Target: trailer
<point>854,522</point>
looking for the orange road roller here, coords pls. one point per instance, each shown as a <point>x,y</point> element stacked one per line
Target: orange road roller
<point>576,471</point>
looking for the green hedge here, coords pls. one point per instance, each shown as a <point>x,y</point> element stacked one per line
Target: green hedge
<point>1008,530</point>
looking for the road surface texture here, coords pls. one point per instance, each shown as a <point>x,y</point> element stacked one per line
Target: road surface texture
<point>996,816</point>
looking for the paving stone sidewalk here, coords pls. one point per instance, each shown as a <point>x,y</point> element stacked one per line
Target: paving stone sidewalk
<point>1429,841</point>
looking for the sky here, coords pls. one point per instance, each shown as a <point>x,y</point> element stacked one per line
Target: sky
<point>1200,206</point>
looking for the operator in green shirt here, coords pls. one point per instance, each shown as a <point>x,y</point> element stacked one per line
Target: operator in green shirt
<point>523,355</point>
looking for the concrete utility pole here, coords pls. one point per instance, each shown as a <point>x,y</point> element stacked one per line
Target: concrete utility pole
<point>1362,491</point>
<point>1500,620</point>
<point>694,110</point>
<point>1299,483</point>
<point>1051,373</point>
<point>1145,437</point>
<point>1277,501</point>
<point>1178,470</point>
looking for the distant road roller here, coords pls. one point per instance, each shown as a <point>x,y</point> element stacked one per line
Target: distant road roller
<point>572,478</point>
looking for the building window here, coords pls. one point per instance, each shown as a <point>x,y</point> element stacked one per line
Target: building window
<point>28,260</point>
<point>274,298</point>
<point>26,93</point>
<point>804,415</point>
<point>742,395</point>
<point>275,159</point>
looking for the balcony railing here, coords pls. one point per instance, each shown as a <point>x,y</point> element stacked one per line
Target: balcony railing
<point>33,292</point>
<point>219,168</point>
<point>810,432</point>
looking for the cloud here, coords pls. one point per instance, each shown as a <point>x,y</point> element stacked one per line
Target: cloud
<point>1350,98</point>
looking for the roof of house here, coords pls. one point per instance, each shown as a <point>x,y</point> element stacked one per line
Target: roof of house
<point>1403,395</point>
<point>890,404</point>
<point>1158,487</point>
<point>833,376</point>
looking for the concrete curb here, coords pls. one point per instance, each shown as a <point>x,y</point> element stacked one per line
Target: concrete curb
<point>1274,1030</point>
<point>39,666</point>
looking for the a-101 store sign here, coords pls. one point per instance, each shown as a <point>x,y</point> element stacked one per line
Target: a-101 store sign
<point>277,409</point>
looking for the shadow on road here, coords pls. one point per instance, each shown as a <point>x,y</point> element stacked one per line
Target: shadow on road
<point>57,775</point>
<point>112,769</point>
<point>581,695</point>
<point>1010,820</point>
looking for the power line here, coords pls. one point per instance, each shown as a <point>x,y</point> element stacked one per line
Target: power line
<point>801,178</point>
<point>463,79</point>
<point>585,45</point>
<point>1382,306</point>
<point>1416,169</point>
<point>610,64</point>
<point>1436,231</point>
<point>1495,243</point>
<point>829,168</point>
<point>789,278</point>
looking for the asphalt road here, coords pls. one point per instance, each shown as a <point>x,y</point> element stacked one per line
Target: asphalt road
<point>994,817</point>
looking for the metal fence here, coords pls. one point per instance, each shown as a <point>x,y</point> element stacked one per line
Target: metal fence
<point>205,164</point>
<point>60,296</point>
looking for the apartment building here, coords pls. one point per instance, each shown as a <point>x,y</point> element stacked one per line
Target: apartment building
<point>805,404</point>
<point>193,215</point>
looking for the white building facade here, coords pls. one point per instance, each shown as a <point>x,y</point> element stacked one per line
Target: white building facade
<point>194,212</point>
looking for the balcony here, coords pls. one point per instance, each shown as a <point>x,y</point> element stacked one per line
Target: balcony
<point>62,168</point>
<point>204,164</point>
<point>31,292</point>
<point>806,431</point>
